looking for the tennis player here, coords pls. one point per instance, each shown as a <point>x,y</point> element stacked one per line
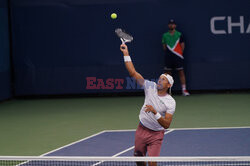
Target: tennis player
<point>156,113</point>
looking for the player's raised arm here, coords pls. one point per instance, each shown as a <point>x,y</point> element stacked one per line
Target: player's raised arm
<point>129,65</point>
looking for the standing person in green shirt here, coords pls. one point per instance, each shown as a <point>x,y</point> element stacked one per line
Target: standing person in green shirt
<point>173,45</point>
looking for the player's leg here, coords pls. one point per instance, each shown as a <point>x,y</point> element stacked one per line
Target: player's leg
<point>152,163</point>
<point>140,144</point>
<point>154,146</point>
<point>183,82</point>
<point>180,68</point>
<point>168,64</point>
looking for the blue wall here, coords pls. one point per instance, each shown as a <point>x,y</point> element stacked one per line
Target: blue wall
<point>5,89</point>
<point>57,44</point>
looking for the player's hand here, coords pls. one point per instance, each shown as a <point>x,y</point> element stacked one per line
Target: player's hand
<point>124,49</point>
<point>150,108</point>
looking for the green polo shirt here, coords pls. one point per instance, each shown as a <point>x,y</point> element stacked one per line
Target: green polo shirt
<point>170,40</point>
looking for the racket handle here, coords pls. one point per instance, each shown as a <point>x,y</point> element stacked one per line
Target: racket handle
<point>123,42</point>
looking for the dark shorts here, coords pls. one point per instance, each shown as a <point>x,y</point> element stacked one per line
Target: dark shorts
<point>173,62</point>
<point>148,141</point>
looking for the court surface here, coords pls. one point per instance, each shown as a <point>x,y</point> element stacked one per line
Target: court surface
<point>177,142</point>
<point>37,126</point>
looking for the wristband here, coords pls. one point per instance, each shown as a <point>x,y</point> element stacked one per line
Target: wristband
<point>158,115</point>
<point>127,59</point>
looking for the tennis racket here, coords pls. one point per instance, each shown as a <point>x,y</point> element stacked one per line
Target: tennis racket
<point>125,37</point>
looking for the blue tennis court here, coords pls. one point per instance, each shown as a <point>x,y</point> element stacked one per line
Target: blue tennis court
<point>177,142</point>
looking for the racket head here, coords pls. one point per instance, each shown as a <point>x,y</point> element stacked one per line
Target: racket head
<point>125,37</point>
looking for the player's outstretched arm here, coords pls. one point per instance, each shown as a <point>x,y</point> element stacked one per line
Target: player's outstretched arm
<point>130,67</point>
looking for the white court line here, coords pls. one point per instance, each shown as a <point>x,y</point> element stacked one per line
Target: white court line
<point>42,155</point>
<point>205,128</point>
<point>73,143</point>
<point>169,131</point>
<point>213,128</point>
<point>125,130</point>
<point>128,149</point>
<point>134,130</point>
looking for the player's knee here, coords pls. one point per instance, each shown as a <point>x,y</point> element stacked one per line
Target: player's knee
<point>138,153</point>
<point>152,163</point>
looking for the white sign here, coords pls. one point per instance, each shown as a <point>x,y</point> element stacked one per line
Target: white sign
<point>241,25</point>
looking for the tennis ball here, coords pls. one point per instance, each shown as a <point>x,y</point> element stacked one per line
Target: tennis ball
<point>113,15</point>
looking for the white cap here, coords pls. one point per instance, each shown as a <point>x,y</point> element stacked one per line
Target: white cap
<point>170,79</point>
